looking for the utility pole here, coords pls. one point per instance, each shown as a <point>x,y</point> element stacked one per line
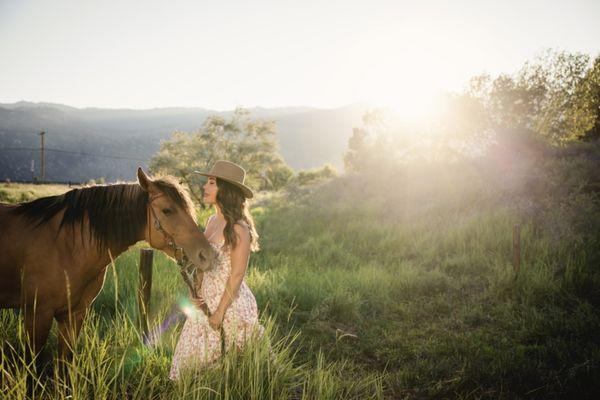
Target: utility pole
<point>42,133</point>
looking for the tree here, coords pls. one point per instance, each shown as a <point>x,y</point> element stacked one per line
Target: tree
<point>366,141</point>
<point>545,96</point>
<point>562,73</point>
<point>354,158</point>
<point>307,177</point>
<point>249,143</point>
<point>586,112</point>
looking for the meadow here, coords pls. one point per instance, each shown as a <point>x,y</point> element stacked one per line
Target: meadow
<point>384,285</point>
<point>22,192</point>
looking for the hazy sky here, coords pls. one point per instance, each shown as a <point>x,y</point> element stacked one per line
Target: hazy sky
<point>221,54</point>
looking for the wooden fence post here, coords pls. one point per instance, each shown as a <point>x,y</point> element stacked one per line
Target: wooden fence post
<point>517,248</point>
<point>144,288</point>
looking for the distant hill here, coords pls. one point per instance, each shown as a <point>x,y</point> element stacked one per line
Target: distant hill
<point>308,137</point>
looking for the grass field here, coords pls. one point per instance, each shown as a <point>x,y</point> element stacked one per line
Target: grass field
<point>372,293</point>
<point>21,192</point>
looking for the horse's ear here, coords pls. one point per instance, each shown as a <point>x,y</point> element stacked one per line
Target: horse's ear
<point>143,179</point>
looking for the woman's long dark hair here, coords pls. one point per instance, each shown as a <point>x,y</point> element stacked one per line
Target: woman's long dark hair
<point>234,207</point>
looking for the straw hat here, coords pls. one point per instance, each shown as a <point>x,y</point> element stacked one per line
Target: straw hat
<point>231,173</point>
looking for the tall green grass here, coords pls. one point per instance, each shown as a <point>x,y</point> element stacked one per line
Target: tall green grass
<point>111,360</point>
<point>440,311</point>
<point>22,192</point>
<point>412,277</point>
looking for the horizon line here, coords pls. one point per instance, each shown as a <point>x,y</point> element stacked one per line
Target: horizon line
<point>52,103</point>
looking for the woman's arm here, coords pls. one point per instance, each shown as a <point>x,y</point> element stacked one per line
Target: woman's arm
<point>199,301</point>
<point>239,263</point>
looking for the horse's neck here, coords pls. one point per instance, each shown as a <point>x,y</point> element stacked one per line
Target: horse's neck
<point>112,251</point>
<point>115,251</point>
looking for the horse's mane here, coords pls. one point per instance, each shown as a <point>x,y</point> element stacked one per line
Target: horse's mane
<point>117,212</point>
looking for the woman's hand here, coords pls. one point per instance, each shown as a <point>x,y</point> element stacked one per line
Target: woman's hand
<point>198,302</point>
<point>215,321</point>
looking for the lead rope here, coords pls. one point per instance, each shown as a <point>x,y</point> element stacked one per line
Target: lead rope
<point>187,270</point>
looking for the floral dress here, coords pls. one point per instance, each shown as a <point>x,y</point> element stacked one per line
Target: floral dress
<point>199,345</point>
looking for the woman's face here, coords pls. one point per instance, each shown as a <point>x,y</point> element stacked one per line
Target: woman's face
<point>210,191</point>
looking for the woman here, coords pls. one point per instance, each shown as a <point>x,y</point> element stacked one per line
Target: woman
<point>233,311</point>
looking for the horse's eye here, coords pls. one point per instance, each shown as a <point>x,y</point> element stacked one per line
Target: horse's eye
<point>167,211</point>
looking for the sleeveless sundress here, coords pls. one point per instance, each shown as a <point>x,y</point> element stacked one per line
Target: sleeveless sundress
<point>199,345</point>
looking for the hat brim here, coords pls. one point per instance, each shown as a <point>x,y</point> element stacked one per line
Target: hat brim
<point>245,189</point>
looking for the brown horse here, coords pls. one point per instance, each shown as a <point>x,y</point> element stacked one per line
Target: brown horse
<point>54,250</point>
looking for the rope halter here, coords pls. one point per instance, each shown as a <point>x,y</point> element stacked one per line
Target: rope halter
<point>180,255</point>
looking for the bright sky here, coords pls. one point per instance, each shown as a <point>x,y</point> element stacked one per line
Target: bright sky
<point>221,54</point>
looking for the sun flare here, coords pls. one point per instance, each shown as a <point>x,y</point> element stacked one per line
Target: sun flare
<point>412,106</point>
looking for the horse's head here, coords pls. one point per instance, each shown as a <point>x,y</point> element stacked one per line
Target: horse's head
<point>172,224</point>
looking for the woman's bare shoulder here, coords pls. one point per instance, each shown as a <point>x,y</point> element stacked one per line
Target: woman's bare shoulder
<point>243,223</point>
<point>242,229</point>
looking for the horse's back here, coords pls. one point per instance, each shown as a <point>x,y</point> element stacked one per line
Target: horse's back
<point>9,235</point>
<point>20,242</point>
<point>11,248</point>
<point>35,258</point>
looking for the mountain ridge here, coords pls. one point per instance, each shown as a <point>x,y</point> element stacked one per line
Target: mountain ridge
<point>308,137</point>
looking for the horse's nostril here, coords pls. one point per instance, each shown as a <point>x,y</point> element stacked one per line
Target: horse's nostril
<point>201,257</point>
